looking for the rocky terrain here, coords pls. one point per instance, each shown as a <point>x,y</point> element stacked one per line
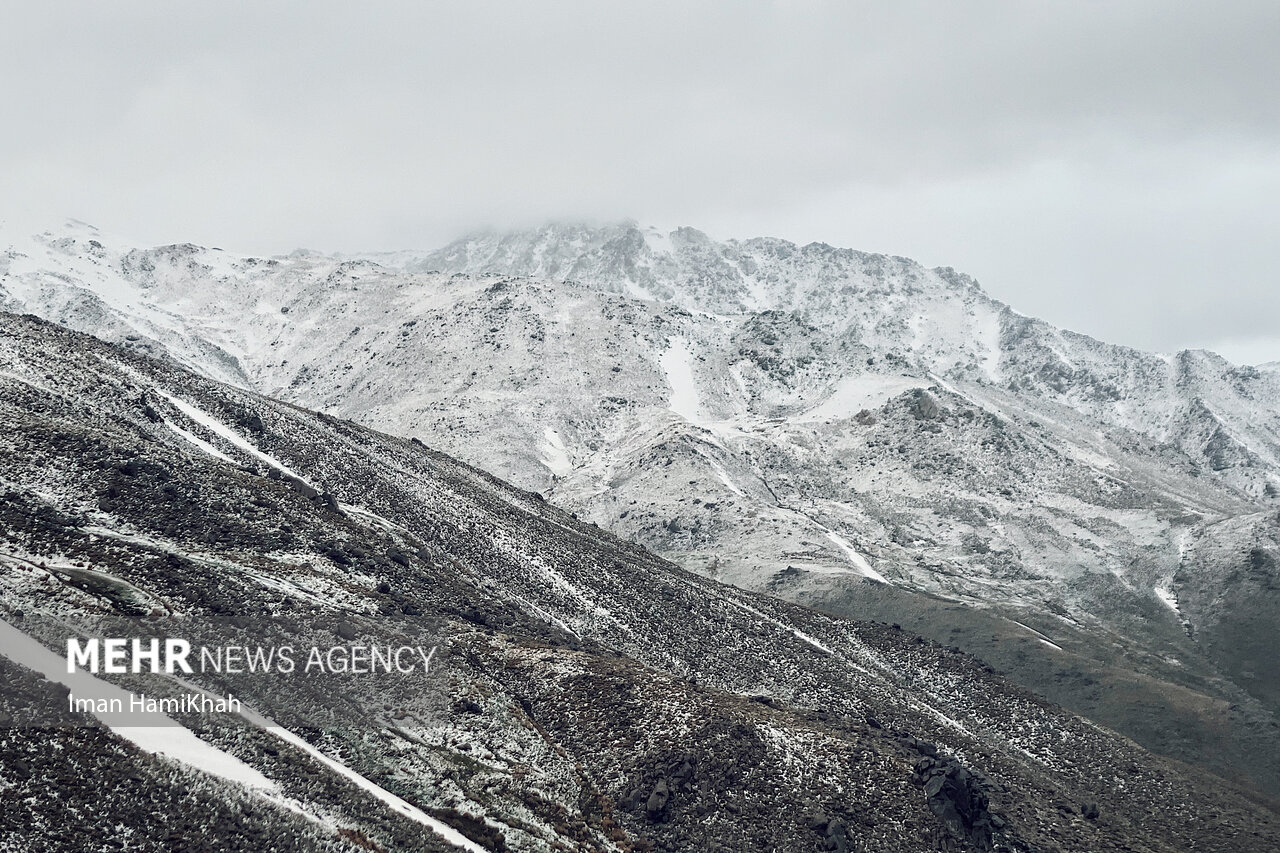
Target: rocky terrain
<point>592,695</point>
<point>840,429</point>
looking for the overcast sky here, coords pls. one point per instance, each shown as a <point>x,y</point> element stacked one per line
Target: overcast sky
<point>1113,167</point>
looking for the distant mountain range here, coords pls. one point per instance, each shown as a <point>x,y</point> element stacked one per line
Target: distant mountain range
<point>843,430</point>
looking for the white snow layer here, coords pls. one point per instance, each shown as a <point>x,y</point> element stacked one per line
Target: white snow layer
<point>677,363</point>
<point>859,562</point>
<point>157,734</point>
<point>1167,597</point>
<point>218,428</point>
<point>554,455</point>
<point>199,442</point>
<point>855,393</point>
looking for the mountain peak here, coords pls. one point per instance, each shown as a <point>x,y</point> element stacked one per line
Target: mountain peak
<point>693,270</point>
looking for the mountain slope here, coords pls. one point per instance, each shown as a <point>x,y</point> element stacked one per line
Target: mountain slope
<point>593,696</point>
<point>937,319</point>
<point>805,421</point>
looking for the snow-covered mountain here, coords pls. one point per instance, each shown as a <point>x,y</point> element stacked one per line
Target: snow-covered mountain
<point>592,697</point>
<point>937,320</point>
<point>834,427</point>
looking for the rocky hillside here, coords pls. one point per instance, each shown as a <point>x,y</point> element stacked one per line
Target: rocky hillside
<point>836,428</point>
<point>592,696</point>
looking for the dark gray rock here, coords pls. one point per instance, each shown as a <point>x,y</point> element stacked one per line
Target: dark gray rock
<point>656,806</point>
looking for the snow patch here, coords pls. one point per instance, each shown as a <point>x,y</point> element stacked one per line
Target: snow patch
<point>859,562</point>
<point>396,803</point>
<point>554,455</point>
<point>987,334</point>
<point>721,473</point>
<point>448,833</point>
<point>677,363</point>
<point>855,393</point>
<point>659,242</point>
<point>800,635</point>
<point>371,518</point>
<point>1039,636</point>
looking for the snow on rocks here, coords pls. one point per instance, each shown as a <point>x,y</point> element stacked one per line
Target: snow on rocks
<point>223,431</point>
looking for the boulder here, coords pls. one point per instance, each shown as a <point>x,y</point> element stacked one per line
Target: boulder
<point>657,803</point>
<point>925,407</point>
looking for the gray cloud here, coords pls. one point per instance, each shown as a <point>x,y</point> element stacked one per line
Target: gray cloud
<point>1112,166</point>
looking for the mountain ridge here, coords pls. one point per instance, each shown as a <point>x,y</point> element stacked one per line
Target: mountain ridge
<point>877,420</point>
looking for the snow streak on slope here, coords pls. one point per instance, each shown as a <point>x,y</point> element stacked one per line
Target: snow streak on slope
<point>414,813</point>
<point>791,629</point>
<point>1168,599</point>
<point>859,561</point>
<point>219,428</point>
<point>721,473</point>
<point>198,442</point>
<point>1039,636</point>
<point>153,732</point>
<point>677,362</point>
